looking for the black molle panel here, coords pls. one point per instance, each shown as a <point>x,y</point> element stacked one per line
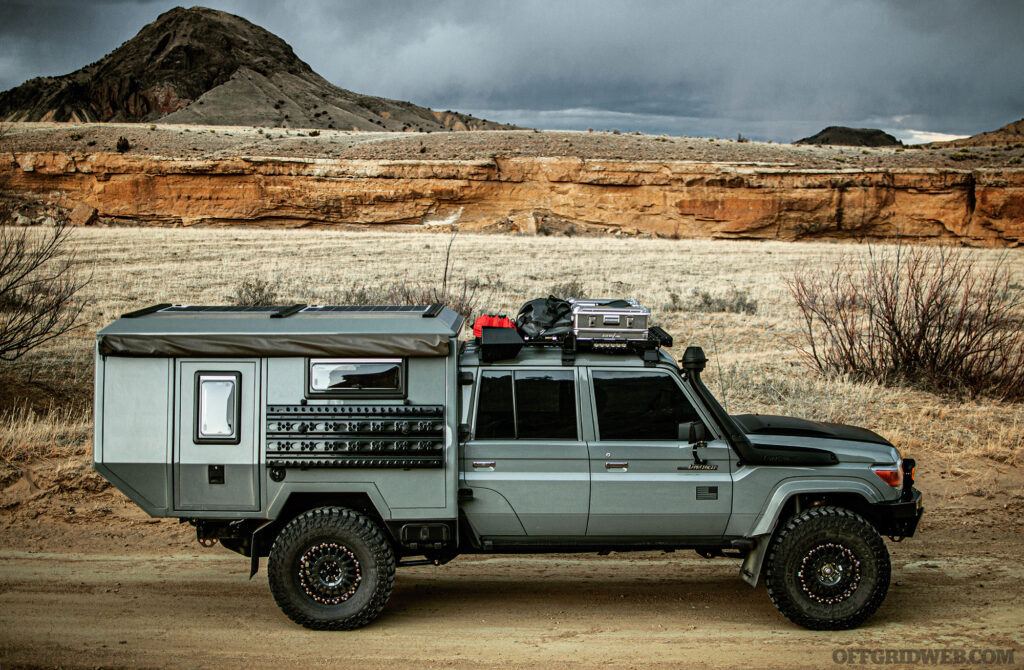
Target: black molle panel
<point>360,436</point>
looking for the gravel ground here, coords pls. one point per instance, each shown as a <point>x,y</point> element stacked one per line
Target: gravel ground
<point>226,141</point>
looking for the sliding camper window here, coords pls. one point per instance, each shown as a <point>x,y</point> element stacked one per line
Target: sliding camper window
<point>356,378</point>
<point>218,402</point>
<point>527,405</point>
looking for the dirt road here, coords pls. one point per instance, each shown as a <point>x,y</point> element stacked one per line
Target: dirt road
<point>956,586</point>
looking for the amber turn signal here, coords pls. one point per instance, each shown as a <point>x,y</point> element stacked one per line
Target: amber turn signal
<point>891,476</point>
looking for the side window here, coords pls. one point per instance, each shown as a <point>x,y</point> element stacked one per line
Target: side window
<point>218,405</point>
<point>639,405</point>
<point>545,405</point>
<point>531,405</point>
<point>495,413</point>
<point>356,377</point>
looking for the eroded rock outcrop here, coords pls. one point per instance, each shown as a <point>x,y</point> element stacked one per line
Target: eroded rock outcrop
<point>979,207</point>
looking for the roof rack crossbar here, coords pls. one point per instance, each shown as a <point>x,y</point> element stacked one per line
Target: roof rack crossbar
<point>146,310</point>
<point>288,311</point>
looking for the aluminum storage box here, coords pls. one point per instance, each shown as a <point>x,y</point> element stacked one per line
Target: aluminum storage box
<point>609,320</point>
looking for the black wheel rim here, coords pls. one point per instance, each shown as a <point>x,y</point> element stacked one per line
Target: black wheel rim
<point>329,573</point>
<point>829,573</point>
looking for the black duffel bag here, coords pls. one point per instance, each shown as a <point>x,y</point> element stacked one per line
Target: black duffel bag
<point>545,317</point>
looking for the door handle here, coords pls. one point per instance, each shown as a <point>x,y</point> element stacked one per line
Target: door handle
<point>616,465</point>
<point>483,464</point>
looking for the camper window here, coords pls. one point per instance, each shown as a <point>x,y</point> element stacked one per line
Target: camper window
<point>217,407</point>
<point>356,377</point>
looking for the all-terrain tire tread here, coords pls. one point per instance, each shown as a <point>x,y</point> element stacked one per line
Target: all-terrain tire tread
<point>774,580</point>
<point>336,518</point>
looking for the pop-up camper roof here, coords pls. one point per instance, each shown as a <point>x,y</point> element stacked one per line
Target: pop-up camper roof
<point>291,330</point>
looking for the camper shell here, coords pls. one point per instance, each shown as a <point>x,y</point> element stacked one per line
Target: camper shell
<point>152,366</point>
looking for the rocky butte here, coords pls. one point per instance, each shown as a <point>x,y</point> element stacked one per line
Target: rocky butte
<point>205,66</point>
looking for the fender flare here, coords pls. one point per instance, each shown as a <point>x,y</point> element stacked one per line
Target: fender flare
<point>276,506</point>
<point>768,519</point>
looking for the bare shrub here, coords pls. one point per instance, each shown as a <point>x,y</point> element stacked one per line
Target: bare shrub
<point>674,304</point>
<point>927,316</point>
<point>569,289</point>
<point>40,286</point>
<point>123,144</point>
<point>735,301</point>
<point>256,291</point>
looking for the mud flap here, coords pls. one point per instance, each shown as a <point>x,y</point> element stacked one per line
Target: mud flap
<point>750,571</point>
<point>254,550</point>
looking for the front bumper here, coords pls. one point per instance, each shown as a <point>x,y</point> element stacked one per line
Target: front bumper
<point>898,518</point>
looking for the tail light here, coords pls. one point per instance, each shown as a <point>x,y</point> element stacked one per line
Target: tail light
<point>893,476</point>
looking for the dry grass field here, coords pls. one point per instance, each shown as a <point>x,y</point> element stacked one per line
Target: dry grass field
<point>45,404</point>
<point>86,578</point>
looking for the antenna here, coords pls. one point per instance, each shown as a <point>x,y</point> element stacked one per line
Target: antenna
<point>718,364</point>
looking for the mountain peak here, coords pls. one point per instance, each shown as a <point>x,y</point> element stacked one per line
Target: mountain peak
<point>201,65</point>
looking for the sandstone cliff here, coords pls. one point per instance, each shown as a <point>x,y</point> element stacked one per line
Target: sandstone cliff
<point>676,199</point>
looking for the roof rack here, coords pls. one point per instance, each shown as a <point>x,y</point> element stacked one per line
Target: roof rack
<point>504,343</point>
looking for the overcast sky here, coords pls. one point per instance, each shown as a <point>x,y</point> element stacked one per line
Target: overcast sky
<point>776,70</point>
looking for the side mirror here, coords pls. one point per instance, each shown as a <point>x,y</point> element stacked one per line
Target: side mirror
<point>693,432</point>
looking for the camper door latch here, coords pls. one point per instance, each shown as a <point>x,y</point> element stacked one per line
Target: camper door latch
<point>215,474</point>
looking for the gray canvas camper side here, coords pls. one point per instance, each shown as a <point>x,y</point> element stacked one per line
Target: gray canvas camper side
<point>196,405</point>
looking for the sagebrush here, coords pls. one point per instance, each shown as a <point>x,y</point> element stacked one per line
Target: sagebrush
<point>927,316</point>
<point>40,285</point>
<point>257,291</point>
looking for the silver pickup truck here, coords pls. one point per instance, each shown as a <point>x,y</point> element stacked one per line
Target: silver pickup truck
<point>343,442</point>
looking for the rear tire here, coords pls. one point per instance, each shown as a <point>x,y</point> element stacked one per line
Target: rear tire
<point>827,569</point>
<point>331,569</point>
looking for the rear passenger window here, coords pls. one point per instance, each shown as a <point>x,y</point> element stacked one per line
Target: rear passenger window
<point>545,405</point>
<point>531,405</point>
<point>639,405</point>
<point>495,413</point>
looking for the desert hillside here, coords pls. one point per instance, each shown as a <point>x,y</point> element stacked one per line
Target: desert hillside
<point>201,65</point>
<point>1010,136</point>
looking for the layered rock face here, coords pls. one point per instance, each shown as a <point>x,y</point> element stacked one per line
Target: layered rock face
<point>981,207</point>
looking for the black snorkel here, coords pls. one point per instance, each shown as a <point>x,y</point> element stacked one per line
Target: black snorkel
<point>693,363</point>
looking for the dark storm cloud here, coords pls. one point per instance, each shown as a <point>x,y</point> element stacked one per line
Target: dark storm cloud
<point>776,70</point>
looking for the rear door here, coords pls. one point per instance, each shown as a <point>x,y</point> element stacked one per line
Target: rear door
<point>644,479</point>
<point>216,452</point>
<point>526,462</point>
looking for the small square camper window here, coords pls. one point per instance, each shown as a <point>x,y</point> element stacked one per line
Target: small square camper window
<point>357,377</point>
<point>218,405</point>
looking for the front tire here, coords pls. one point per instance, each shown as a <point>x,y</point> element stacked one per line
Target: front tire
<point>331,569</point>
<point>827,569</point>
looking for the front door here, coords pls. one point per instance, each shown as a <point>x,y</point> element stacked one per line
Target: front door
<point>644,479</point>
<point>216,450</point>
<point>526,464</point>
